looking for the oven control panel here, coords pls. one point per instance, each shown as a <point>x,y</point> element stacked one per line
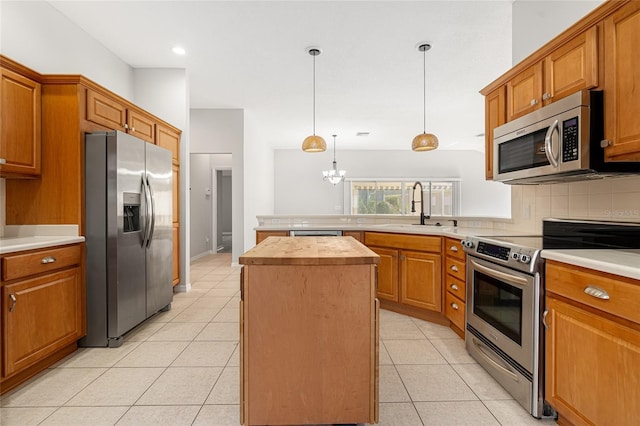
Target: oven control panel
<point>493,250</point>
<point>520,253</point>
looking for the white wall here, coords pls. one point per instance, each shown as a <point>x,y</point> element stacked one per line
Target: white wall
<point>537,22</point>
<point>201,205</point>
<point>222,131</point>
<point>300,189</point>
<point>36,35</point>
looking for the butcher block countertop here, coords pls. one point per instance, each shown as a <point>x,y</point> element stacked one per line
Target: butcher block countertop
<point>309,251</point>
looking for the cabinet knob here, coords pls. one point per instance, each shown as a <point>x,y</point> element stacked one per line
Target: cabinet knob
<point>454,287</point>
<point>125,125</point>
<point>453,248</point>
<point>3,161</point>
<point>133,129</point>
<point>454,268</point>
<point>13,302</point>
<point>402,257</point>
<point>533,102</point>
<point>455,306</point>
<point>48,259</point>
<point>605,143</point>
<point>547,96</point>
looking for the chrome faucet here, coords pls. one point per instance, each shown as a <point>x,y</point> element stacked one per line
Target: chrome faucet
<point>413,203</point>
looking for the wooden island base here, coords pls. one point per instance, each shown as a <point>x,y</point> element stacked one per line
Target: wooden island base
<point>309,332</point>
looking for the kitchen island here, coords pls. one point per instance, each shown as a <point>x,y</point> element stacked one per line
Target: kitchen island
<point>309,332</point>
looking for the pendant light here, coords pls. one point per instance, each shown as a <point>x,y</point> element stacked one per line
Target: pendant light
<point>424,141</point>
<point>314,143</point>
<point>334,175</point>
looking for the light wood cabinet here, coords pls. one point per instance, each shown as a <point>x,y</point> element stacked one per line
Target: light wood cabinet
<point>169,139</point>
<point>113,114</point>
<point>308,332</point>
<point>262,235</point>
<point>409,273</point>
<point>20,128</point>
<point>358,235</point>
<point>592,347</point>
<point>571,67</point>
<point>622,82</point>
<point>176,223</point>
<point>42,309</point>
<point>494,116</point>
<point>455,284</point>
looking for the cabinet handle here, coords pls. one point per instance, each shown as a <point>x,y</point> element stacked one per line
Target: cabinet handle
<point>605,143</point>
<point>455,306</point>
<point>454,268</point>
<point>453,248</point>
<point>454,287</point>
<point>3,161</point>
<point>596,292</point>
<point>544,318</point>
<point>533,102</point>
<point>48,259</point>
<point>13,302</point>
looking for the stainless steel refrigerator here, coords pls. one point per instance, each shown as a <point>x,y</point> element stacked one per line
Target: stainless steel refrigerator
<point>128,224</point>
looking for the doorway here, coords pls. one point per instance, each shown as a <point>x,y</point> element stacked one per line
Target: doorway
<point>223,200</point>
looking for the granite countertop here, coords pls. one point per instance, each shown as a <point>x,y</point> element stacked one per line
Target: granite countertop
<point>625,263</point>
<point>29,237</point>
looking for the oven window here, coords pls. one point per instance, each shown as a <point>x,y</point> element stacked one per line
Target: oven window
<point>525,152</point>
<point>499,304</point>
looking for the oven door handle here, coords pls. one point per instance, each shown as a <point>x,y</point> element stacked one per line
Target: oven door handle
<point>499,275</point>
<point>493,362</point>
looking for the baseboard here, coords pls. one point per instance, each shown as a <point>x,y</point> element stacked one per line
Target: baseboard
<point>203,254</point>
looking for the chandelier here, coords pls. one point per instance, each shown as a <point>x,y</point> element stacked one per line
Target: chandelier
<point>334,175</point>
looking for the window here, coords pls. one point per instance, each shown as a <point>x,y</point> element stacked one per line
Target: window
<point>376,196</point>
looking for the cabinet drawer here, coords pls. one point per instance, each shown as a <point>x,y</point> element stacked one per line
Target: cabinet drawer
<point>454,310</point>
<point>456,268</point>
<point>403,241</point>
<point>23,265</point>
<point>456,287</point>
<point>575,283</point>
<point>453,248</point>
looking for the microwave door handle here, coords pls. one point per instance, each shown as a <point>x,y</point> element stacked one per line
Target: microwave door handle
<point>512,279</point>
<point>547,144</point>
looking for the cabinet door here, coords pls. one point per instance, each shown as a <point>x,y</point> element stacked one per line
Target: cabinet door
<point>176,193</point>
<point>622,83</point>
<point>494,116</point>
<point>20,130</point>
<point>421,280</point>
<point>140,125</point>
<point>355,234</point>
<point>106,111</point>
<point>387,273</point>
<point>524,92</point>
<point>40,316</point>
<point>592,367</point>
<point>169,139</point>
<point>572,67</point>
<point>262,235</point>
<point>176,254</point>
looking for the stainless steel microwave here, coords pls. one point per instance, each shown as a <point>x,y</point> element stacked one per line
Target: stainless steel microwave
<point>559,142</point>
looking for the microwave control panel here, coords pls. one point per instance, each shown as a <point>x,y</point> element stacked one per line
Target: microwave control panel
<point>570,141</point>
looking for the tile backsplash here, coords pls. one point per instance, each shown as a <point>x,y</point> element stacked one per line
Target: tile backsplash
<point>616,199</point>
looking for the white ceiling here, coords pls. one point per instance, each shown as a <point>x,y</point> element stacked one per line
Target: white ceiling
<point>369,78</point>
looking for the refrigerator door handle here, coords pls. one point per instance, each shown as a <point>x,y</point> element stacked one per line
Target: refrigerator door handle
<point>152,215</point>
<point>147,217</point>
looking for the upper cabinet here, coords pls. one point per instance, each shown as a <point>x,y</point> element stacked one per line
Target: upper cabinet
<point>622,84</point>
<point>20,138</point>
<point>571,67</point>
<point>111,113</point>
<point>598,52</point>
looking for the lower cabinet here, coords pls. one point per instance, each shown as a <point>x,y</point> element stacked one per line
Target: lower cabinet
<point>592,371</point>
<point>42,309</point>
<point>409,273</point>
<point>262,235</point>
<point>455,273</point>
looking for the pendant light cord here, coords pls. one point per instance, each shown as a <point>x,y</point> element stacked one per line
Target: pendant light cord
<point>314,95</point>
<point>424,90</point>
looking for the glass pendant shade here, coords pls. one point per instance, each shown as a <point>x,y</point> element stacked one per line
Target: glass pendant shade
<point>424,142</point>
<point>314,144</point>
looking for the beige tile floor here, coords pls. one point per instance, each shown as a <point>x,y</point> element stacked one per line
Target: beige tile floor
<point>181,368</point>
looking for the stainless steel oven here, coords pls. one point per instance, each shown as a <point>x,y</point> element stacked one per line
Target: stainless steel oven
<point>505,298</point>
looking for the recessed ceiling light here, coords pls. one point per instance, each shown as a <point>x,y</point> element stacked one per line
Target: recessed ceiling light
<point>362,134</point>
<point>179,50</point>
